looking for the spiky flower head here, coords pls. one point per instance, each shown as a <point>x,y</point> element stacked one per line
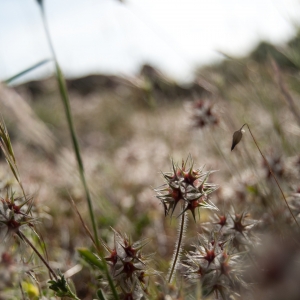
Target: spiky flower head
<point>14,214</point>
<point>214,265</point>
<point>236,227</point>
<point>187,185</point>
<point>129,266</point>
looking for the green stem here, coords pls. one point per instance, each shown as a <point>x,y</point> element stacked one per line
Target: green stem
<point>23,295</point>
<point>223,156</point>
<point>66,102</point>
<point>110,281</point>
<point>177,247</point>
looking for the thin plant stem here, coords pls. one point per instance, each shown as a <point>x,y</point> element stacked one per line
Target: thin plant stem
<point>21,288</point>
<point>178,246</point>
<point>110,281</point>
<point>65,98</point>
<point>9,80</point>
<point>224,158</point>
<point>23,237</point>
<point>66,102</point>
<point>271,171</point>
<point>82,222</point>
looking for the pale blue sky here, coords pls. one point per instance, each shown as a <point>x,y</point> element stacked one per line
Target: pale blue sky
<point>106,36</point>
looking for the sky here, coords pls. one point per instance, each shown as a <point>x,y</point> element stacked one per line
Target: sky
<point>117,37</point>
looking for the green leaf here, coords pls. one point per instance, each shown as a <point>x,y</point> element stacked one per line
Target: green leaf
<point>9,80</point>
<point>90,258</point>
<point>61,287</point>
<point>101,295</point>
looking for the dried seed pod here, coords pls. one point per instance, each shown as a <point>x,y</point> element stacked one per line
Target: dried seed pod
<point>237,136</point>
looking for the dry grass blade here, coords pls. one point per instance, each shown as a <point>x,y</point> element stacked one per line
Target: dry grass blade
<point>289,99</point>
<point>29,125</point>
<point>82,222</point>
<point>6,141</point>
<point>7,150</point>
<point>67,107</point>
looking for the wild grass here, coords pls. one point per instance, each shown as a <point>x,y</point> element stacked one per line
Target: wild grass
<point>248,248</point>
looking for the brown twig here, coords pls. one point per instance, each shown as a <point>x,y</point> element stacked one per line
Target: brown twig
<point>82,222</point>
<point>23,237</point>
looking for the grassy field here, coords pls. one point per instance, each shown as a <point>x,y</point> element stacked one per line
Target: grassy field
<point>131,131</point>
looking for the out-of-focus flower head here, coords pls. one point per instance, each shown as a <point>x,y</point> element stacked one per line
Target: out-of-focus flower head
<point>202,113</point>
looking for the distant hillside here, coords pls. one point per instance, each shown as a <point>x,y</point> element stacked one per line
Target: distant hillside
<point>151,80</point>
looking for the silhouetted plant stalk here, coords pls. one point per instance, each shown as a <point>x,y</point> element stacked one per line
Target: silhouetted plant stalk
<point>66,102</point>
<point>237,136</point>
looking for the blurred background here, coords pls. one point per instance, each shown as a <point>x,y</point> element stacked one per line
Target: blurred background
<point>118,37</point>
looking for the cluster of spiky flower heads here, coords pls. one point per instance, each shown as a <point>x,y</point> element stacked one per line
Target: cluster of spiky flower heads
<point>187,185</point>
<point>219,259</point>
<point>236,228</point>
<point>214,264</point>
<point>129,266</point>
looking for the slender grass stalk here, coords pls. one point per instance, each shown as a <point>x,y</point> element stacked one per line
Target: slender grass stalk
<point>178,246</point>
<point>223,156</point>
<point>66,102</point>
<point>110,281</point>
<point>23,237</point>
<point>9,80</point>
<point>21,288</point>
<point>87,230</point>
<point>271,171</point>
